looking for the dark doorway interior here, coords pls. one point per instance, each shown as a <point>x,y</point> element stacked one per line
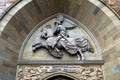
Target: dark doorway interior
<point>60,77</point>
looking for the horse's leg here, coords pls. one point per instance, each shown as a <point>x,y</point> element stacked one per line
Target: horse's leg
<point>80,55</point>
<point>83,58</point>
<point>58,51</point>
<point>55,52</point>
<point>37,46</point>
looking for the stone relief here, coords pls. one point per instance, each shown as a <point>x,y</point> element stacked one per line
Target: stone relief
<point>56,39</point>
<point>82,73</point>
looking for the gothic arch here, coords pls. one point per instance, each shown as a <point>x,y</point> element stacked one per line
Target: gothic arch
<point>60,74</point>
<point>92,13</point>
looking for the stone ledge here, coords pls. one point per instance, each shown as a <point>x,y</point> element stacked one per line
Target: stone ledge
<point>48,62</point>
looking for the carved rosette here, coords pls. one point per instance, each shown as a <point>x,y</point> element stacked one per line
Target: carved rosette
<point>81,72</point>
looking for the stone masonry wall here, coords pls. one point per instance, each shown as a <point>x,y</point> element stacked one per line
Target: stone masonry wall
<point>103,24</point>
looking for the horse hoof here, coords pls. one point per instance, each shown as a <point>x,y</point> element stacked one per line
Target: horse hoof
<point>83,59</point>
<point>34,50</point>
<point>79,59</point>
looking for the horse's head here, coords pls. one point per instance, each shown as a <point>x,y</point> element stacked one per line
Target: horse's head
<point>59,19</point>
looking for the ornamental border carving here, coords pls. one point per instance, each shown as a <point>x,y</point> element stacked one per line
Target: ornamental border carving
<point>91,72</point>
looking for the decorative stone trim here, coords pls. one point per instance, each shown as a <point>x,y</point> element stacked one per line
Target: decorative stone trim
<point>28,72</point>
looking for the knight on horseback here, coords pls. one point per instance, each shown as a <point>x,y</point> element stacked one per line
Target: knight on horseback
<point>57,38</point>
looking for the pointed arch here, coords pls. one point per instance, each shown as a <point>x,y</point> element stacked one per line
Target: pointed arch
<point>60,75</point>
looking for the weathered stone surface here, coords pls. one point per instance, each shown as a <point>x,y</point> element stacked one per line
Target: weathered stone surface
<point>36,4</point>
<point>110,33</point>
<point>8,64</point>
<point>4,69</point>
<point>116,69</point>
<point>83,15</point>
<point>12,71</point>
<point>76,9</point>
<point>97,9</point>
<point>14,61</point>
<point>115,76</point>
<point>110,51</point>
<point>106,23</point>
<point>5,56</point>
<point>117,36</point>
<point>6,77</point>
<point>22,17</point>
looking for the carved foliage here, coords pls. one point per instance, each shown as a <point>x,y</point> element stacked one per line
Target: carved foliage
<point>83,73</point>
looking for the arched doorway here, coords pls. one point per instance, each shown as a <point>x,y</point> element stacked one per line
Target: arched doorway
<point>60,77</point>
<point>41,65</point>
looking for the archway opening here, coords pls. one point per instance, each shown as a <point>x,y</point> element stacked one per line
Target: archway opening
<point>60,77</point>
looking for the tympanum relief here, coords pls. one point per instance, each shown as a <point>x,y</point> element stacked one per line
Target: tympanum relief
<point>56,39</point>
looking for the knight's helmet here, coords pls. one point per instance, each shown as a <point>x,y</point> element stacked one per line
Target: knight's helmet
<point>59,19</point>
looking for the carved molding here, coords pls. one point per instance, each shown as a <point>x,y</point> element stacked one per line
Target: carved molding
<point>27,72</point>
